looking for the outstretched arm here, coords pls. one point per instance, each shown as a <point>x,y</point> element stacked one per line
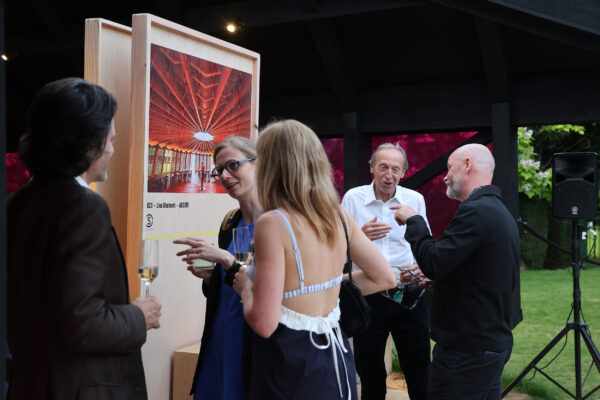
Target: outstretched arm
<point>375,274</point>
<point>438,258</point>
<point>262,297</point>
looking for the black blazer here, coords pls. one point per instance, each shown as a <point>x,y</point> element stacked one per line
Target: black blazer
<point>475,265</point>
<point>71,329</point>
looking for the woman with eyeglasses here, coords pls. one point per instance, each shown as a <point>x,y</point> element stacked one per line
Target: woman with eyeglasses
<point>220,371</point>
<point>300,246</point>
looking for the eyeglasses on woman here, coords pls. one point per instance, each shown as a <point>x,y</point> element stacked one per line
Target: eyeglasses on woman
<point>231,166</point>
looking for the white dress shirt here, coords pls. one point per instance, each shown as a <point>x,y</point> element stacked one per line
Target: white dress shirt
<point>361,204</point>
<point>82,182</point>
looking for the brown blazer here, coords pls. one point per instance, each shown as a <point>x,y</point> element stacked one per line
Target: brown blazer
<point>71,329</point>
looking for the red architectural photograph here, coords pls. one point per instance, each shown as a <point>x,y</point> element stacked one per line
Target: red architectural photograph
<point>194,105</point>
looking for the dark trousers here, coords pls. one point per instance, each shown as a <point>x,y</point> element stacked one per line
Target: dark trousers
<point>410,332</point>
<point>466,375</point>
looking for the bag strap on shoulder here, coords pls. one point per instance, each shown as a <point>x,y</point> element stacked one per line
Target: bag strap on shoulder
<point>228,219</point>
<point>348,264</point>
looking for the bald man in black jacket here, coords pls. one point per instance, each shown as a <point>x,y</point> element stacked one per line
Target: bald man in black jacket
<point>475,265</point>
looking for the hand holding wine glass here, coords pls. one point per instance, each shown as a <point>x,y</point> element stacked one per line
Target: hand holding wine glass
<point>148,262</point>
<point>150,306</point>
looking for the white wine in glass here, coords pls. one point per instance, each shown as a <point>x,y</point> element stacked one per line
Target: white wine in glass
<point>244,257</point>
<point>242,245</point>
<point>148,262</point>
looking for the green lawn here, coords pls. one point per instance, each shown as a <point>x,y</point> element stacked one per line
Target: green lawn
<point>546,298</point>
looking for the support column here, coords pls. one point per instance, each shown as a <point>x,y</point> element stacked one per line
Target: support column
<point>505,142</point>
<point>506,177</point>
<point>356,152</point>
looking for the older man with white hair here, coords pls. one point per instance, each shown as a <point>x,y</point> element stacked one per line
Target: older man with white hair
<point>475,266</point>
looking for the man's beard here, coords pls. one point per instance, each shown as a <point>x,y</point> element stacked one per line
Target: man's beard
<point>453,189</point>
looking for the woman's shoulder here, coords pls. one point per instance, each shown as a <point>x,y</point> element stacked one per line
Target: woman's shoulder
<point>269,219</point>
<point>271,228</point>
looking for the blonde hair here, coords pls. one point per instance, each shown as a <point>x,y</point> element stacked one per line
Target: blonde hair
<point>294,173</point>
<point>245,145</point>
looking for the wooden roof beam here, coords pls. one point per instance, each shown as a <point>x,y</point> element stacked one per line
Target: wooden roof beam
<point>335,63</point>
<point>493,56</point>
<point>544,99</point>
<point>574,32</point>
<point>440,164</point>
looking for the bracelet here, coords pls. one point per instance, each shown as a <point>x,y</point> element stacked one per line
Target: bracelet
<point>230,273</point>
<point>235,266</point>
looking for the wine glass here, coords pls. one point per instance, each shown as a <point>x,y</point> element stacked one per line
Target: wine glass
<point>148,262</point>
<point>242,245</point>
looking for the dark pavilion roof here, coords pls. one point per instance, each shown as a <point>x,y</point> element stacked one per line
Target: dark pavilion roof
<point>356,68</point>
<point>402,65</point>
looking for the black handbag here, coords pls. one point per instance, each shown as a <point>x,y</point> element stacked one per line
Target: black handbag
<point>355,311</point>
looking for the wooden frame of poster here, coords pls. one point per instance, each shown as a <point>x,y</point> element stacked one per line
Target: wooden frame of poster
<point>107,62</point>
<point>120,59</point>
<point>155,208</point>
<point>189,92</point>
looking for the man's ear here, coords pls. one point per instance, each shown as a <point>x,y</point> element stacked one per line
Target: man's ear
<point>468,165</point>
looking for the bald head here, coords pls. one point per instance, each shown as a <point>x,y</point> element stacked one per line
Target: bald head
<point>481,156</point>
<point>469,166</point>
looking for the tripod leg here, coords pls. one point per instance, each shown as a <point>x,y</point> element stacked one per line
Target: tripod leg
<point>591,348</point>
<point>578,387</point>
<point>537,359</point>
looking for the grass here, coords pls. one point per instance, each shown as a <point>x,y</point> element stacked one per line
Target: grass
<point>546,298</point>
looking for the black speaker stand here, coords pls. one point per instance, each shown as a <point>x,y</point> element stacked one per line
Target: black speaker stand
<point>579,328</point>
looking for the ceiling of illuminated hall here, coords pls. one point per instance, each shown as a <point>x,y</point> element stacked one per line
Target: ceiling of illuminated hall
<point>195,103</point>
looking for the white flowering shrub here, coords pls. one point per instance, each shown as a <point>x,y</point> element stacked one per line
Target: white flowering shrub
<point>533,181</point>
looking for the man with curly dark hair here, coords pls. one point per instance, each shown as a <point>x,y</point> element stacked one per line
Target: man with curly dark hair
<point>72,330</point>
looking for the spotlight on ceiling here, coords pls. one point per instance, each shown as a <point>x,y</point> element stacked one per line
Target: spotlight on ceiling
<point>4,57</point>
<point>231,27</point>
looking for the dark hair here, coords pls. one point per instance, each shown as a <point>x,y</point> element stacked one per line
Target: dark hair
<point>68,122</point>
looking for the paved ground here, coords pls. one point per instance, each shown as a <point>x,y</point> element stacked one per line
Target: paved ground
<point>397,389</point>
<point>393,394</point>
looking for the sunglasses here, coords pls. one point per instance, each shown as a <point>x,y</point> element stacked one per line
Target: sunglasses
<point>231,166</point>
<point>401,295</point>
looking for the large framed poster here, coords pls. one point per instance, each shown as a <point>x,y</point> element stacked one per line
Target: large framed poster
<point>194,104</point>
<point>190,91</point>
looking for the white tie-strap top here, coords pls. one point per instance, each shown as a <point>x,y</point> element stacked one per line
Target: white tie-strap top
<point>328,325</point>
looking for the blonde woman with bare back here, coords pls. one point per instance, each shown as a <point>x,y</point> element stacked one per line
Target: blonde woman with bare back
<point>299,351</point>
